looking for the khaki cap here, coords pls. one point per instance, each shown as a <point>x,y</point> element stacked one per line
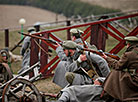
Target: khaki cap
<point>131,38</point>
<point>76,31</point>
<point>69,45</point>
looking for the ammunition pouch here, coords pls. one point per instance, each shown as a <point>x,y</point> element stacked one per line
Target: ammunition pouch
<point>131,71</point>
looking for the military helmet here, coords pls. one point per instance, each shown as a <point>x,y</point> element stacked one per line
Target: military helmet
<point>30,29</point>
<point>76,32</point>
<point>131,39</point>
<point>69,45</point>
<point>4,53</point>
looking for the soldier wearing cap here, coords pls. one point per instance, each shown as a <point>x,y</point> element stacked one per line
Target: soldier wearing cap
<point>87,67</point>
<point>64,53</point>
<point>76,37</point>
<point>25,50</point>
<point>122,82</point>
<point>67,70</point>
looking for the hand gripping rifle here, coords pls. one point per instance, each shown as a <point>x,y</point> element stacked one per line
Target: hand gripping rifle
<point>92,72</point>
<point>97,52</point>
<point>100,53</point>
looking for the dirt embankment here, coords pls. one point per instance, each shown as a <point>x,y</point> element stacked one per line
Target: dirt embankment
<point>10,15</point>
<point>124,5</point>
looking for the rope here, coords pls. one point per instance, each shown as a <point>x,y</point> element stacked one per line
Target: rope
<point>40,47</point>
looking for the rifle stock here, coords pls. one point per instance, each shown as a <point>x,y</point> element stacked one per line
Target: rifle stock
<point>101,53</point>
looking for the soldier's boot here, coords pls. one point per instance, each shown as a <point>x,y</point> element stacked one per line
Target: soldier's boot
<point>70,77</point>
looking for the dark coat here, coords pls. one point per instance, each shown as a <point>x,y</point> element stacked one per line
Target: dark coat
<point>121,84</point>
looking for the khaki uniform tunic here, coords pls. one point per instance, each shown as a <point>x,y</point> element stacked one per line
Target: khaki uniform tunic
<point>121,83</point>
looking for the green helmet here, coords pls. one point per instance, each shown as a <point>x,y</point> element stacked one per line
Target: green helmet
<point>5,53</point>
<point>69,45</point>
<point>131,39</point>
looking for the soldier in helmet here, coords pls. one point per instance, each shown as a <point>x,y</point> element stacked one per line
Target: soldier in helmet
<point>5,55</point>
<point>122,82</point>
<point>64,53</point>
<point>5,70</point>
<point>25,50</point>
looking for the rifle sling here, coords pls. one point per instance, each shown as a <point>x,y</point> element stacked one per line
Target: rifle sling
<point>91,65</point>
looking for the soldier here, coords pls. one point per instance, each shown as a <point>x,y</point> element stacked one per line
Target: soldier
<point>88,66</point>
<point>64,53</point>
<point>5,71</point>
<point>69,66</point>
<point>83,93</point>
<point>5,55</point>
<point>122,82</point>
<point>25,50</point>
<point>76,37</point>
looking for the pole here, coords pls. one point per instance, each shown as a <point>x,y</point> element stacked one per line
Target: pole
<point>6,37</point>
<point>22,31</point>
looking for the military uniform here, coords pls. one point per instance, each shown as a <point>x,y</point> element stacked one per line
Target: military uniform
<point>81,78</point>
<point>82,93</point>
<point>70,66</point>
<point>25,50</point>
<point>122,82</point>
<point>59,76</point>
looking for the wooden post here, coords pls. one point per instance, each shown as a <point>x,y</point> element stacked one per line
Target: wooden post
<point>34,53</point>
<point>6,37</point>
<point>44,55</point>
<point>98,37</point>
<point>94,35</point>
<point>68,31</point>
<point>34,58</point>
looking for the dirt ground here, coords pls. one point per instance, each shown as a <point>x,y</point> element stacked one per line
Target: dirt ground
<point>10,15</point>
<point>124,5</point>
<point>47,86</point>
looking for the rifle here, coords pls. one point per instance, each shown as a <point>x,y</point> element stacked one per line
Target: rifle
<point>97,52</point>
<point>22,74</point>
<point>17,45</point>
<point>83,40</point>
<point>42,38</point>
<point>101,53</point>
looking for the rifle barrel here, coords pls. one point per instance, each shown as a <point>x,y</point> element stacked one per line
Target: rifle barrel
<point>42,38</point>
<point>101,53</point>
